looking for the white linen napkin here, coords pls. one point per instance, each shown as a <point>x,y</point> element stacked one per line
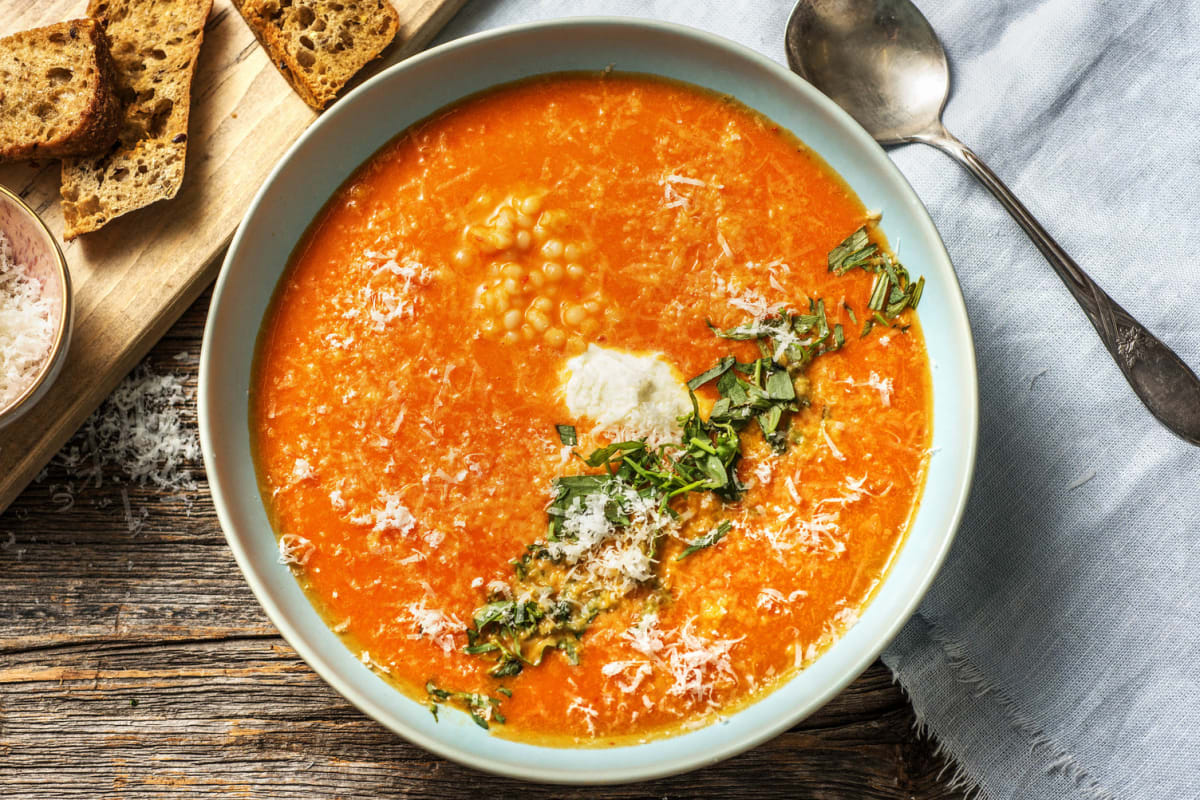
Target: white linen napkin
<point>1058,653</point>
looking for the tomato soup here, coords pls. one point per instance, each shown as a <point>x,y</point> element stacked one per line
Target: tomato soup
<point>593,406</point>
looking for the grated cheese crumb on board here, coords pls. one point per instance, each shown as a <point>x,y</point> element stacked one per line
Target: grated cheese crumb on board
<point>638,395</point>
<point>142,429</point>
<point>27,326</point>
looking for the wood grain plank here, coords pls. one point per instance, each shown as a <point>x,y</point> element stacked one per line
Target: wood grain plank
<point>134,277</point>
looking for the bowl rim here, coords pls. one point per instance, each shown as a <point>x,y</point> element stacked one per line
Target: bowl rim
<point>552,773</point>
<point>18,406</point>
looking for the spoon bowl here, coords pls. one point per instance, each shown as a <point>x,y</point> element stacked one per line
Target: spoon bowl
<point>882,62</point>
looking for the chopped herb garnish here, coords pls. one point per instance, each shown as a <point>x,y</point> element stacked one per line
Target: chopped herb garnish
<point>707,540</point>
<point>712,373</point>
<point>480,707</point>
<point>893,291</point>
<point>566,435</point>
<point>855,251</point>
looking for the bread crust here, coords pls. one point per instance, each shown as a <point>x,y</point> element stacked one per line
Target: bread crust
<point>86,47</point>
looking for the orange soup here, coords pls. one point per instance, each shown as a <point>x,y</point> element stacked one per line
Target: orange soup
<point>593,406</point>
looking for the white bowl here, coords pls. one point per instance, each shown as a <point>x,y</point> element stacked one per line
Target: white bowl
<point>34,247</point>
<point>365,120</point>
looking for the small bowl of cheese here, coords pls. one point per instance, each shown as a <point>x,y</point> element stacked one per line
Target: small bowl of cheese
<point>35,308</point>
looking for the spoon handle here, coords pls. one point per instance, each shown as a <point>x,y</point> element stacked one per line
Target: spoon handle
<point>1165,384</point>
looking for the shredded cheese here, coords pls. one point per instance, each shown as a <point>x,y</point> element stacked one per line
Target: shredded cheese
<point>883,386</point>
<point>589,713</point>
<point>142,428</point>
<point>603,554</point>
<point>696,665</point>
<point>392,516</point>
<point>438,626</point>
<point>294,550</point>
<point>27,326</point>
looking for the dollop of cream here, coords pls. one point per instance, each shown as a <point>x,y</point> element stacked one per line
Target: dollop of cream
<point>629,396</point>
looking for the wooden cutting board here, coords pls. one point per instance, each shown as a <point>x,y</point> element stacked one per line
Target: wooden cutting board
<point>134,277</point>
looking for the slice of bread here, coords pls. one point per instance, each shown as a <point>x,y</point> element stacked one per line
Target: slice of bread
<point>154,45</point>
<point>57,96</point>
<point>319,45</point>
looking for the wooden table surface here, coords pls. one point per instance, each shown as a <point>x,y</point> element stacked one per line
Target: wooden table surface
<point>135,663</point>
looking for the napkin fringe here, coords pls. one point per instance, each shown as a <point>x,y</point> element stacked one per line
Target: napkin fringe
<point>1058,760</point>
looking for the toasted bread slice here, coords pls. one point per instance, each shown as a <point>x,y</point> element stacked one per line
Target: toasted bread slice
<point>319,45</point>
<point>154,45</point>
<point>57,95</point>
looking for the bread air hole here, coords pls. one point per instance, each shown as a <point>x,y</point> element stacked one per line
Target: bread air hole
<point>305,16</point>
<point>307,43</point>
<point>306,59</point>
<point>88,207</point>
<point>158,121</point>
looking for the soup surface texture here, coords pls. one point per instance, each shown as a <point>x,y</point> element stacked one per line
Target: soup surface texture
<point>551,253</point>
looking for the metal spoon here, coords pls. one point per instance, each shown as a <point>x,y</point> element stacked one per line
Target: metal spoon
<point>882,62</point>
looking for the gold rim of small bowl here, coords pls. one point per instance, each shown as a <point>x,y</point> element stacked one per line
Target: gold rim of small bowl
<point>15,408</point>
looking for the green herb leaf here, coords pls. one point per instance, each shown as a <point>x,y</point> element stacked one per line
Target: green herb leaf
<point>717,371</point>
<point>893,290</point>
<point>707,540</point>
<point>478,706</point>
<point>566,435</point>
<point>780,387</point>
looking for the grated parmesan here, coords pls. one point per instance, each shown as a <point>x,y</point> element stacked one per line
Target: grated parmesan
<point>696,665</point>
<point>294,550</point>
<point>392,516</point>
<point>883,386</point>
<point>27,327</point>
<point>589,713</point>
<point>603,554</point>
<point>141,428</point>
<point>440,627</point>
